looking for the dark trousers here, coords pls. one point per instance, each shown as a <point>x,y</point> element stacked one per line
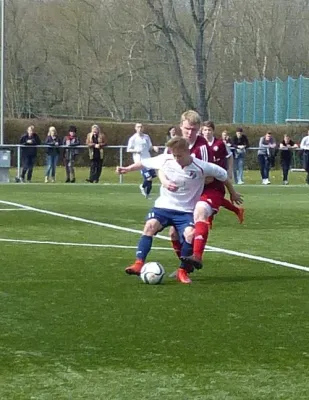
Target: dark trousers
<point>285,164</point>
<point>264,162</point>
<point>28,163</point>
<point>95,169</point>
<point>306,163</point>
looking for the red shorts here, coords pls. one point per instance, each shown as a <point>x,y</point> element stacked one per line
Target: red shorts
<point>212,197</point>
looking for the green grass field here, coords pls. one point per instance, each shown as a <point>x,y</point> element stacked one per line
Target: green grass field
<point>75,326</point>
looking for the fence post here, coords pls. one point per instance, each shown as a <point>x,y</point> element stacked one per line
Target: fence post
<point>276,101</point>
<point>300,96</point>
<point>120,163</point>
<point>244,101</point>
<point>264,100</point>
<point>254,100</point>
<point>288,106</point>
<point>235,103</point>
<point>18,161</point>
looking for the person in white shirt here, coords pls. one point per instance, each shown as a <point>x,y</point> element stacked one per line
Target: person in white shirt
<point>140,146</point>
<point>175,205</point>
<point>304,145</point>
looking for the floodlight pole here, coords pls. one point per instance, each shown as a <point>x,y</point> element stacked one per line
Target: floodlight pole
<point>2,75</point>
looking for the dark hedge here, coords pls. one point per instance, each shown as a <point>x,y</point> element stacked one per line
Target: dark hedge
<point>118,134</point>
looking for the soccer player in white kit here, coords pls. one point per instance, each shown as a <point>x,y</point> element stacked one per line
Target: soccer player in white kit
<point>175,205</point>
<point>140,145</point>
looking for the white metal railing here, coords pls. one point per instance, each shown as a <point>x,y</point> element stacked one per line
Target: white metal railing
<point>121,151</point>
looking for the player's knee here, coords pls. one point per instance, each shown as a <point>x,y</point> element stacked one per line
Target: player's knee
<point>151,227</point>
<point>189,234</point>
<point>173,233</point>
<point>202,211</point>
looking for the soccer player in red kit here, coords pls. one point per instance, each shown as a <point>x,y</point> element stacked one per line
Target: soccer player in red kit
<point>212,198</point>
<point>190,124</point>
<point>222,157</point>
<point>190,127</point>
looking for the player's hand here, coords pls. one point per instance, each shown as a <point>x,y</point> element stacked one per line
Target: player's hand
<point>169,185</point>
<point>209,179</point>
<point>236,198</point>
<point>156,149</point>
<point>121,170</point>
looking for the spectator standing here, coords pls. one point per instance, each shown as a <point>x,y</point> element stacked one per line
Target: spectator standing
<point>226,139</point>
<point>240,143</point>
<point>52,153</point>
<point>304,145</point>
<point>30,140</point>
<point>267,145</point>
<point>171,133</point>
<point>140,146</point>
<point>286,147</point>
<point>70,141</point>
<point>96,140</point>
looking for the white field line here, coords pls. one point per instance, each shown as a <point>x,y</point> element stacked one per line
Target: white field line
<point>137,184</point>
<point>114,246</point>
<point>121,228</point>
<point>13,209</point>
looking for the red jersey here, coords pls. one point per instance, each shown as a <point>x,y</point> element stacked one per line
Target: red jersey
<point>220,154</point>
<point>201,150</point>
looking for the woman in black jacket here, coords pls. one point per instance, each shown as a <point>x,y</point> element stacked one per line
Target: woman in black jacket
<point>30,140</point>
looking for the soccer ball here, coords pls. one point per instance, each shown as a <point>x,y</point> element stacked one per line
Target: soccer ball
<point>152,273</point>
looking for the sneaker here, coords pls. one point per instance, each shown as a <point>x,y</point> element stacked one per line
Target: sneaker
<point>264,182</point>
<point>285,182</point>
<point>192,261</point>
<point>135,269</point>
<point>73,180</point>
<point>68,180</point>
<point>88,180</point>
<point>46,179</point>
<point>53,180</point>
<point>142,190</point>
<point>267,181</point>
<point>182,276</point>
<point>240,183</point>
<point>241,215</point>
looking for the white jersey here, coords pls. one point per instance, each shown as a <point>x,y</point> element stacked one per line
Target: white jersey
<point>141,146</point>
<point>304,144</point>
<point>190,181</point>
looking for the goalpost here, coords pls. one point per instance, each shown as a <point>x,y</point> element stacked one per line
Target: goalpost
<point>297,121</point>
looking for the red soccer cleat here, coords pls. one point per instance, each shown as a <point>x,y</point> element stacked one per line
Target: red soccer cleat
<point>241,215</point>
<point>182,276</point>
<point>135,269</point>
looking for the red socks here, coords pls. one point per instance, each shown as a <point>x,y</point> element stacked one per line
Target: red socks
<point>230,206</point>
<point>200,238</point>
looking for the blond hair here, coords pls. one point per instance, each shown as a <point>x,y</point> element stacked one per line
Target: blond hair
<point>177,143</point>
<point>52,130</point>
<point>192,116</point>
<point>95,127</point>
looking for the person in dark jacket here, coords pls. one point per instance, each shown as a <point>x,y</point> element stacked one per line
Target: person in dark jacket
<point>30,140</point>
<point>240,143</point>
<point>70,142</point>
<point>52,154</point>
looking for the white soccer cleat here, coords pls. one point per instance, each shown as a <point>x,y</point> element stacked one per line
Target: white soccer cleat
<point>142,190</point>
